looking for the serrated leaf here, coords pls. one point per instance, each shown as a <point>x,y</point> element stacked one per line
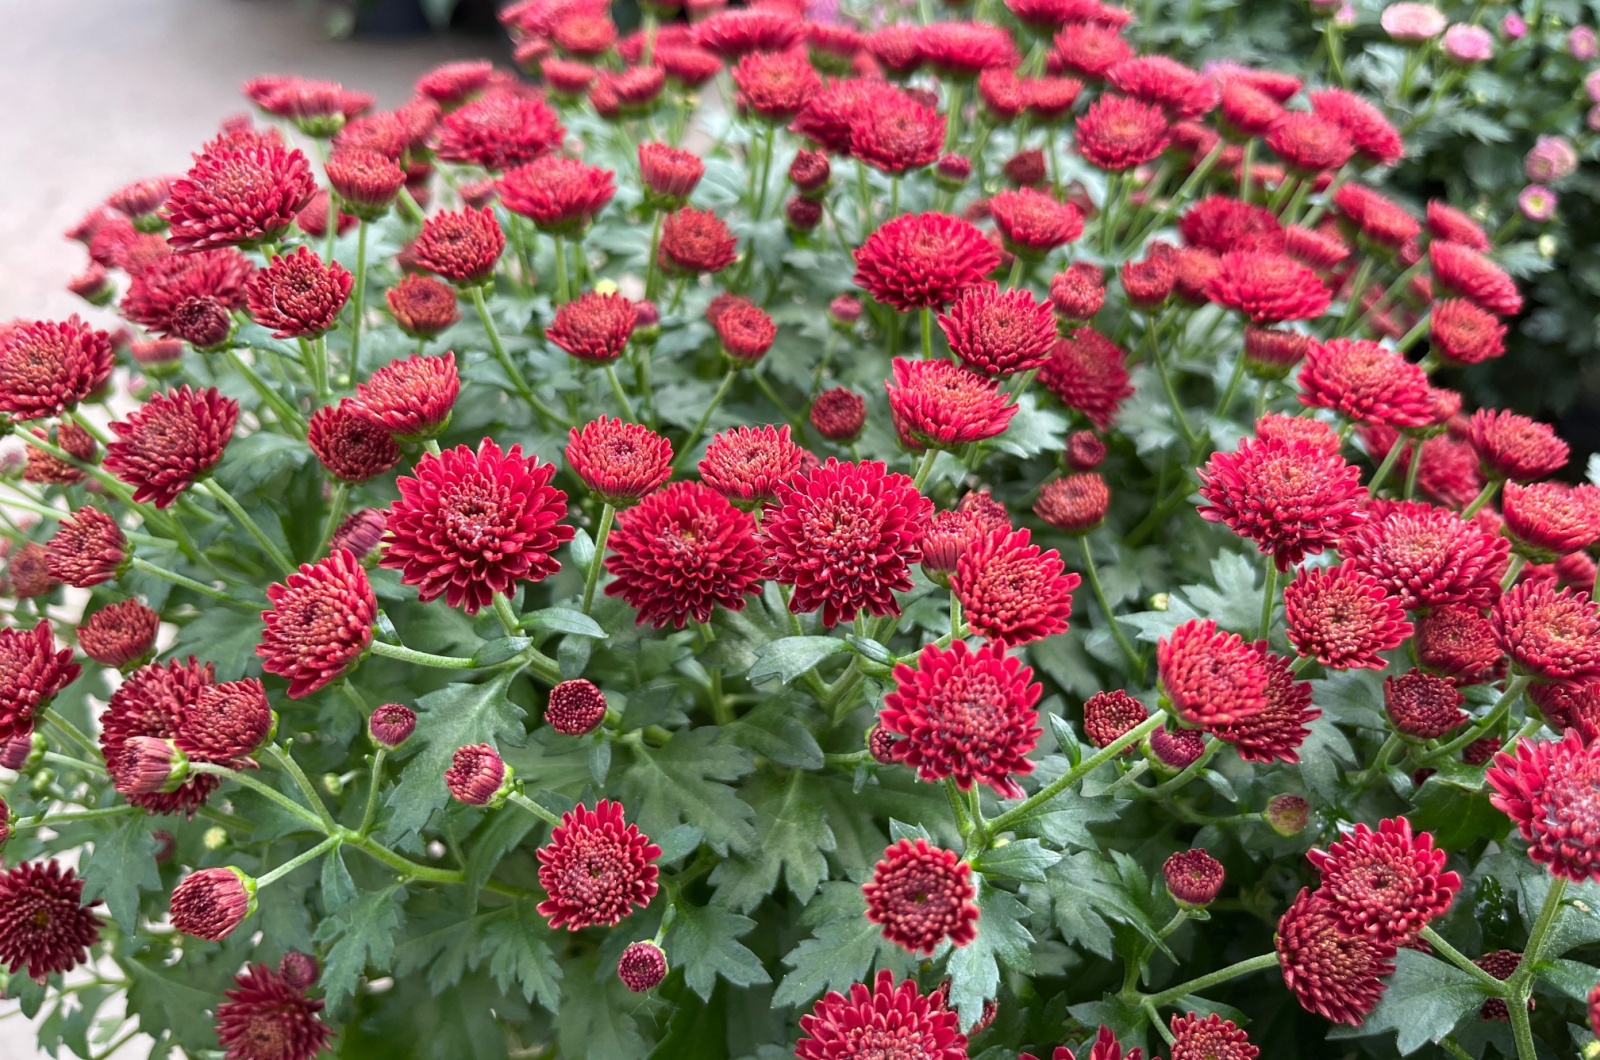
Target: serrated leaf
<point>1235,600</point>
<point>1002,939</point>
<point>225,638</point>
<point>790,657</point>
<point>518,953</point>
<point>1021,859</point>
<point>1424,1000</point>
<point>450,718</point>
<point>685,782</point>
<point>839,954</point>
<point>122,864</point>
<point>167,1003</point>
<point>563,620</point>
<point>793,836</point>
<point>500,650</point>
<point>704,942</point>
<point>679,843</point>
<point>772,731</point>
<point>596,1020</point>
<point>363,935</point>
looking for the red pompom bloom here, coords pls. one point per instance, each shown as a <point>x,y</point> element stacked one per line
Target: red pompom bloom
<point>1088,372</point>
<point>320,623</point>
<point>1033,223</point>
<point>943,405</point>
<point>1343,618</point>
<point>1079,292</point>
<point>1222,225</point>
<point>1177,750</point>
<point>210,903</point>
<point>44,926</point>
<point>1551,519</point>
<point>1366,382</point>
<point>1012,592</point>
<point>266,1017</point>
<point>349,445</point>
<point>1085,451</point>
<point>1458,642</point>
<point>1375,139</point>
<point>1182,92</point>
<point>478,776</point>
<point>1447,222</point>
<point>881,1020</point>
<point>1268,287</point>
<point>746,332</point>
<point>1463,271</point>
<point>1309,144</point>
<point>468,525</point>
<point>670,173</point>
<point>845,536</point>
<point>1462,334</point>
<point>46,367</point>
<point>965,49</point>
<point>119,634</point>
<point>775,85</point>
<point>391,725</point>
<point>559,195</point>
<point>735,32</point>
<point>366,181</point>
<point>680,553</point>
<point>1076,503</point>
<point>1278,729</point>
<point>1320,248</point>
<point>422,306</point>
<point>1149,283</point>
<point>499,130</point>
<point>461,245</point>
<point>150,703</point>
<point>1290,498</point>
<point>1211,1038</point>
<point>596,868</point>
<point>839,414</point>
<point>964,714</point>
<point>620,462</point>
<point>1333,972</point>
<point>1089,50</point>
<point>747,464</point>
<point>1422,705</point>
<point>1515,447</point>
<point>239,196</point>
<point>1117,133</point>
<point>575,708</point>
<point>1377,217</point>
<point>412,398</point>
<point>1211,678</point>
<point>1385,884</point>
<point>695,241</point>
<point>950,534</point>
<point>1275,426</point>
<point>894,132</point>
<point>171,441</point>
<point>922,895</point>
<point>87,549</point>
<point>594,327</point>
<point>32,671</point>
<point>42,467</point>
<point>1553,634</point>
<point>1110,715</point>
<point>225,723</point>
<point>642,966</point>
<point>923,261</point>
<point>1548,788</point>
<point>190,296</point>
<point>1427,556</point>
<point>29,572</point>
<point>1194,878</point>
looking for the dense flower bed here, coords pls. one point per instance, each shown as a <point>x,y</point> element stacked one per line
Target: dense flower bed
<point>573,570</point>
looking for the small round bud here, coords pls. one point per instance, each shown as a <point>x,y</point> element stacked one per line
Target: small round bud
<point>952,170</point>
<point>839,414</point>
<point>1423,706</point>
<point>478,776</point>
<point>1177,750</point>
<point>147,765</point>
<point>1078,293</point>
<point>1193,878</point>
<point>1110,715</point>
<point>210,903</point>
<point>391,725</point>
<point>1075,504</point>
<point>810,171</point>
<point>642,967</point>
<point>298,969</point>
<point>1026,169</point>
<point>166,845</point>
<point>802,214</point>
<point>880,744</point>
<point>844,311</point>
<point>576,707</point>
<point>1288,814</point>
<point>1085,450</point>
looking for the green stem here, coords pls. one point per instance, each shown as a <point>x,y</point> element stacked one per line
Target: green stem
<point>924,469</point>
<point>958,808</point>
<point>1189,772</point>
<point>370,814</point>
<point>927,333</point>
<point>56,820</point>
<point>1412,470</point>
<point>620,394</point>
<point>534,808</point>
<point>1389,460</point>
<point>1486,982</point>
<point>1521,982</point>
<point>1448,1044</point>
<point>563,291</point>
<point>506,614</point>
<point>1222,975</point>
<point>286,413</point>
<point>336,504</point>
<point>1269,598</point>
<point>1167,385</point>
<point>358,302</point>
<point>518,382</point>
<point>71,732</point>
<point>1034,802</point>
<point>420,658</point>
<point>298,860</point>
<point>1501,708</point>
<point>224,498</point>
<point>1484,496</point>
<point>188,583</point>
<point>608,515</point>
<point>692,441</point>
<point>266,791</point>
<point>73,763</point>
<point>287,763</point>
<point>652,275</point>
<point>1512,570</point>
<point>1092,575</point>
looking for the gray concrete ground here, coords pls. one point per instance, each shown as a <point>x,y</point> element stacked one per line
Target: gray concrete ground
<point>101,92</point>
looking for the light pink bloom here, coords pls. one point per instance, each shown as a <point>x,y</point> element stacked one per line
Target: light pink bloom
<point>1412,23</point>
<point>1537,202</point>
<point>1513,26</point>
<point>1582,43</point>
<point>1467,44</point>
<point>1552,158</point>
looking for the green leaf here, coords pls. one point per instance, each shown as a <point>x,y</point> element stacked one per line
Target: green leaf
<point>772,731</point>
<point>685,783</point>
<point>790,657</point>
<point>223,637</point>
<point>1066,819</point>
<point>1458,815</point>
<point>793,836</point>
<point>596,1019</point>
<point>841,953</point>
<point>452,717</point>
<point>564,620</point>
<point>1424,1001</point>
<point>363,934</point>
<point>1033,429</point>
<point>1323,758</point>
<point>519,953</point>
<point>704,942</point>
<point>498,651</point>
<point>122,864</point>
<point>256,459</point>
<point>1022,859</point>
<point>166,1003</point>
<point>1002,939</point>
<point>1235,602</point>
<point>1087,891</point>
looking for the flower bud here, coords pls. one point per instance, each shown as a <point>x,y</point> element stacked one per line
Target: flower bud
<point>1084,451</point>
<point>478,776</point>
<point>7,820</point>
<point>1078,293</point>
<point>1075,504</point>
<point>1288,814</point>
<point>147,765</point>
<point>810,172</point>
<point>844,311</point>
<point>22,752</point>
<point>1537,203</point>
<point>1025,169</point>
<point>299,970</point>
<point>1107,716</point>
<point>1468,45</point>
<point>1193,878</point>
<point>642,967</point>
<point>880,744</point>
<point>576,708</point>
<point>839,414</point>
<point>360,533</point>
<point>391,725</point>
<point>1270,353</point>
<point>802,214</point>
<point>952,171</point>
<point>1176,751</point>
<point>210,903</point>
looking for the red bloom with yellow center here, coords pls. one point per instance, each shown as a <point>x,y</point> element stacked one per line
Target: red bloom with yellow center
<point>1210,677</point>
<point>1291,498</point>
<point>1385,884</point>
<point>320,623</point>
<point>596,868</point>
<point>922,895</point>
<point>1549,790</point>
<point>1012,592</point>
<point>923,261</point>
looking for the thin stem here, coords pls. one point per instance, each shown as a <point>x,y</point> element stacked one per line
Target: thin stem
<point>405,866</point>
<point>1034,802</point>
<point>1269,598</point>
<point>298,860</point>
<point>958,808</point>
<point>924,469</point>
<point>1222,975</point>
<point>1412,471</point>
<point>692,441</point>
<point>71,732</point>
<point>1189,437</point>
<point>420,658</point>
<point>1501,707</point>
<point>370,815</point>
<point>518,383</point>
<point>287,763</point>
<point>1488,983</point>
<point>188,583</point>
<point>534,808</point>
<point>266,791</point>
<point>1484,496</point>
<point>286,413</point>
<point>652,275</point>
<point>1521,981</point>
<point>357,302</point>
<point>608,515</point>
<point>507,616</point>
<point>270,547</point>
<point>1092,575</point>
<point>73,763</point>
<point>927,333</point>
<point>956,623</point>
<point>563,290</point>
<point>1389,460</point>
<point>56,820</point>
<point>1512,570</point>
<point>620,394</point>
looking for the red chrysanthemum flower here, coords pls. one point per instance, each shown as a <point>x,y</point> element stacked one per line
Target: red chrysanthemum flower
<point>316,218</point>
<point>350,446</point>
<point>881,1020</point>
<point>696,241</point>
<point>171,441</point>
<point>119,634</point>
<point>943,405</point>
<point>32,671</point>
<point>619,461</point>
<point>1033,223</point>
<point>412,398</point>
<point>1463,334</point>
<point>1268,287</point>
<point>453,83</point>
<point>828,118</point>
<point>922,895</point>
<point>747,464</point>
<point>777,84</point>
<point>1308,143</point>
<point>478,776</point>
<point>594,327</point>
<point>366,181</point>
<point>391,725</point>
<point>70,438</point>
<point>1332,972</point>
<point>745,331</point>
<point>1012,592</point>
<point>1053,14</point>
<point>1366,382</point>
<point>1275,426</point>
<point>1448,223</point>
<point>1110,715</point>
<point>1550,519</point>
<point>499,130</point>
<point>950,534</point>
<point>47,367</point>
<point>422,306</point>
<point>1051,98</point>
<point>844,536</point>
<point>1222,224</point>
<point>1210,677</point>
<point>680,553</point>
<point>29,571</point>
<point>1553,634</point>
<point>472,524</point>
<point>1548,789</point>
<point>298,295</point>
<point>1211,1038</point>
<point>596,868</point>
<point>150,703</point>
<point>1343,618</point>
<point>1375,138</point>
<point>1423,705</point>
<point>559,195</point>
<point>1278,730</point>
<point>1194,270</point>
<point>575,707</point>
<point>1075,504</point>
<point>460,245</point>
<point>1194,879</point>
<point>226,723</point>
<point>894,132</point>
<point>1026,169</point>
<point>839,414</point>
<point>965,49</point>
<point>1089,50</point>
<point>1569,705</point>
<point>1118,133</point>
<point>670,173</point>
<point>210,903</point>
<point>1149,283</point>
<point>239,196</point>
<point>1463,271</point>
<point>732,33</point>
<point>88,548</point>
<point>268,1018</point>
<point>190,296</point>
<point>1085,451</point>
<point>1180,91</point>
<point>1247,111</point>
<point>1088,373</point>
<point>1291,498</point>
<point>1385,884</point>
<point>1376,216</point>
<point>320,622</point>
<point>1322,249</point>
<point>1079,292</point>
<point>923,261</point>
<point>1427,556</point>
<point>970,715</point>
<point>1516,447</point>
<point>45,927</point>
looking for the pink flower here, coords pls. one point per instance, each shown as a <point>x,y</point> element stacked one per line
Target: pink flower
<point>1468,44</point>
<point>1412,23</point>
<point>1537,202</point>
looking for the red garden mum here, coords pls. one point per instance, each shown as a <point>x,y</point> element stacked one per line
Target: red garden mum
<point>462,246</point>
<point>366,181</point>
<point>239,196</point>
<point>501,129</point>
<point>1291,498</point>
<point>1343,617</point>
<point>119,634</point>
<point>893,132</point>
<point>619,461</point>
<point>942,405</point>
<point>1515,447</point>
<point>151,703</point>
<point>298,295</point>
<point>1012,592</point>
<point>965,49</point>
<point>45,927</point>
<point>1376,217</point>
<point>746,332</point>
<point>88,548</point>
<point>1089,50</point>
<point>170,442</point>
<point>970,715</point>
<point>1462,334</point>
<point>844,536</point>
<point>1465,272</point>
<point>683,551</point>
<point>412,398</point>
<point>1268,287</point>
<point>1423,705</point>
<point>1193,877</point>
<point>775,85</point>
<point>747,464</point>
<point>881,1020</point>
<point>559,195</point>
<point>471,524</point>
<point>922,895</point>
<point>32,671</point>
<point>1375,139</point>
<point>696,241</point>
<point>1032,223</point>
<point>1386,884</point>
<point>1075,504</point>
<point>47,367</point>
<point>1109,715</point>
<point>735,32</point>
<point>319,624</point>
<point>1458,641</point>
<point>1280,727</point>
<point>210,903</point>
<point>350,446</point>
<point>190,296</point>
<point>1553,634</point>
<point>1211,678</point>
<point>594,327</point>
<point>1333,972</point>
<point>71,439</point>
<point>1367,382</point>
<point>225,723</point>
<point>1079,292</point>
<point>670,173</point>
<point>1088,372</point>
<point>923,261</point>
<point>1309,144</point>
<point>1210,1038</point>
<point>839,414</point>
<point>949,535</point>
<point>1222,225</point>
<point>1181,91</point>
<point>1427,556</point>
<point>422,306</point>
<point>1548,789</point>
<point>1547,520</point>
<point>1118,133</point>
<point>268,1018</point>
<point>596,868</point>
